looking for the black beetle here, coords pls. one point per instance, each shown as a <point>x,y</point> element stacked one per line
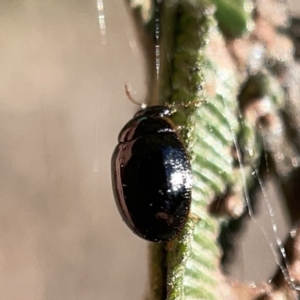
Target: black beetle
<point>151,176</point>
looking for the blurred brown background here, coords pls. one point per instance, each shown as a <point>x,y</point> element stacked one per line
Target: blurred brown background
<point>62,104</point>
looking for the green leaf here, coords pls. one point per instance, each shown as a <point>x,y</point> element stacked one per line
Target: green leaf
<point>204,95</point>
<point>234,16</point>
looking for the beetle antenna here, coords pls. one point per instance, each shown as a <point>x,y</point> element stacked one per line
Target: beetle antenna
<point>129,96</point>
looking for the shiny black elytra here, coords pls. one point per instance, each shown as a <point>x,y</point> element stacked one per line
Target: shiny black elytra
<point>151,176</point>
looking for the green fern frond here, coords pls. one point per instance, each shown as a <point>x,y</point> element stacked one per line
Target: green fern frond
<point>204,94</point>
